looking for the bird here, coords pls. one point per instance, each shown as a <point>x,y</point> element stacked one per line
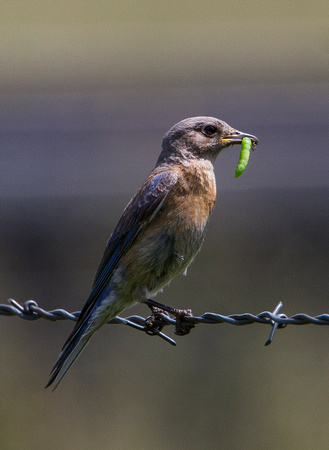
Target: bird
<point>160,232</point>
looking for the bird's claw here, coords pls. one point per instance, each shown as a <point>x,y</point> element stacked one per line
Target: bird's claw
<point>158,309</point>
<point>153,323</point>
<point>181,330</point>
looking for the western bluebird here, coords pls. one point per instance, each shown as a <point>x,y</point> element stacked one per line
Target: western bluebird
<point>160,232</point>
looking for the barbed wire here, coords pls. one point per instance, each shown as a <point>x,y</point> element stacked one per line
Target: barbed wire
<point>153,325</point>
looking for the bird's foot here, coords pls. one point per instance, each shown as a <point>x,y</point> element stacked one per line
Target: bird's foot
<point>179,314</point>
<point>155,323</point>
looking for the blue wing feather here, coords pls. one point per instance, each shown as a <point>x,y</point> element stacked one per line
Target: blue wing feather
<point>139,211</point>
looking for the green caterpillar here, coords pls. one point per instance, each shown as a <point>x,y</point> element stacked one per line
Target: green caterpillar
<point>244,156</point>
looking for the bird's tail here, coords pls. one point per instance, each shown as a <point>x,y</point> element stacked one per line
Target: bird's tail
<point>92,317</point>
<point>69,354</point>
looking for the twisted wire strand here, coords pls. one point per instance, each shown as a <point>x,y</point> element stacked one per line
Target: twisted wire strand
<point>31,311</point>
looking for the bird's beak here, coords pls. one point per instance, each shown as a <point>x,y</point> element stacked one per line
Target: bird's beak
<point>235,137</point>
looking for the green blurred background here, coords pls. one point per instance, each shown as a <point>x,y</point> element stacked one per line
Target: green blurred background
<point>87,90</point>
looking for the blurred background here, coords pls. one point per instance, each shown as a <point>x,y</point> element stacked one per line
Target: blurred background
<point>87,90</point>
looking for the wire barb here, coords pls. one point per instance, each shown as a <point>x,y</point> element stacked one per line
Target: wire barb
<point>31,311</point>
<point>275,325</point>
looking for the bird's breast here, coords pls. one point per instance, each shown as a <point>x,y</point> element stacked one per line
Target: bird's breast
<point>180,226</point>
<point>192,199</point>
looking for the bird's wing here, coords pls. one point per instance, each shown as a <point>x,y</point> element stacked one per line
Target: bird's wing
<point>139,212</point>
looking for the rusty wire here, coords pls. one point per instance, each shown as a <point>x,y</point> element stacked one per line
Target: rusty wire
<point>31,311</point>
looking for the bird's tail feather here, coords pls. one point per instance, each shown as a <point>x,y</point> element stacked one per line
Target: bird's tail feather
<point>65,360</point>
<point>89,322</point>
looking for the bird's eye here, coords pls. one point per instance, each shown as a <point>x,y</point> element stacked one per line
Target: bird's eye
<point>209,130</point>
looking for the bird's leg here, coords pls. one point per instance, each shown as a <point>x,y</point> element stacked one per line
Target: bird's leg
<point>158,308</point>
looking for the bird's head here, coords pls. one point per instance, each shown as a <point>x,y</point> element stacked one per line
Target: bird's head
<point>199,138</point>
